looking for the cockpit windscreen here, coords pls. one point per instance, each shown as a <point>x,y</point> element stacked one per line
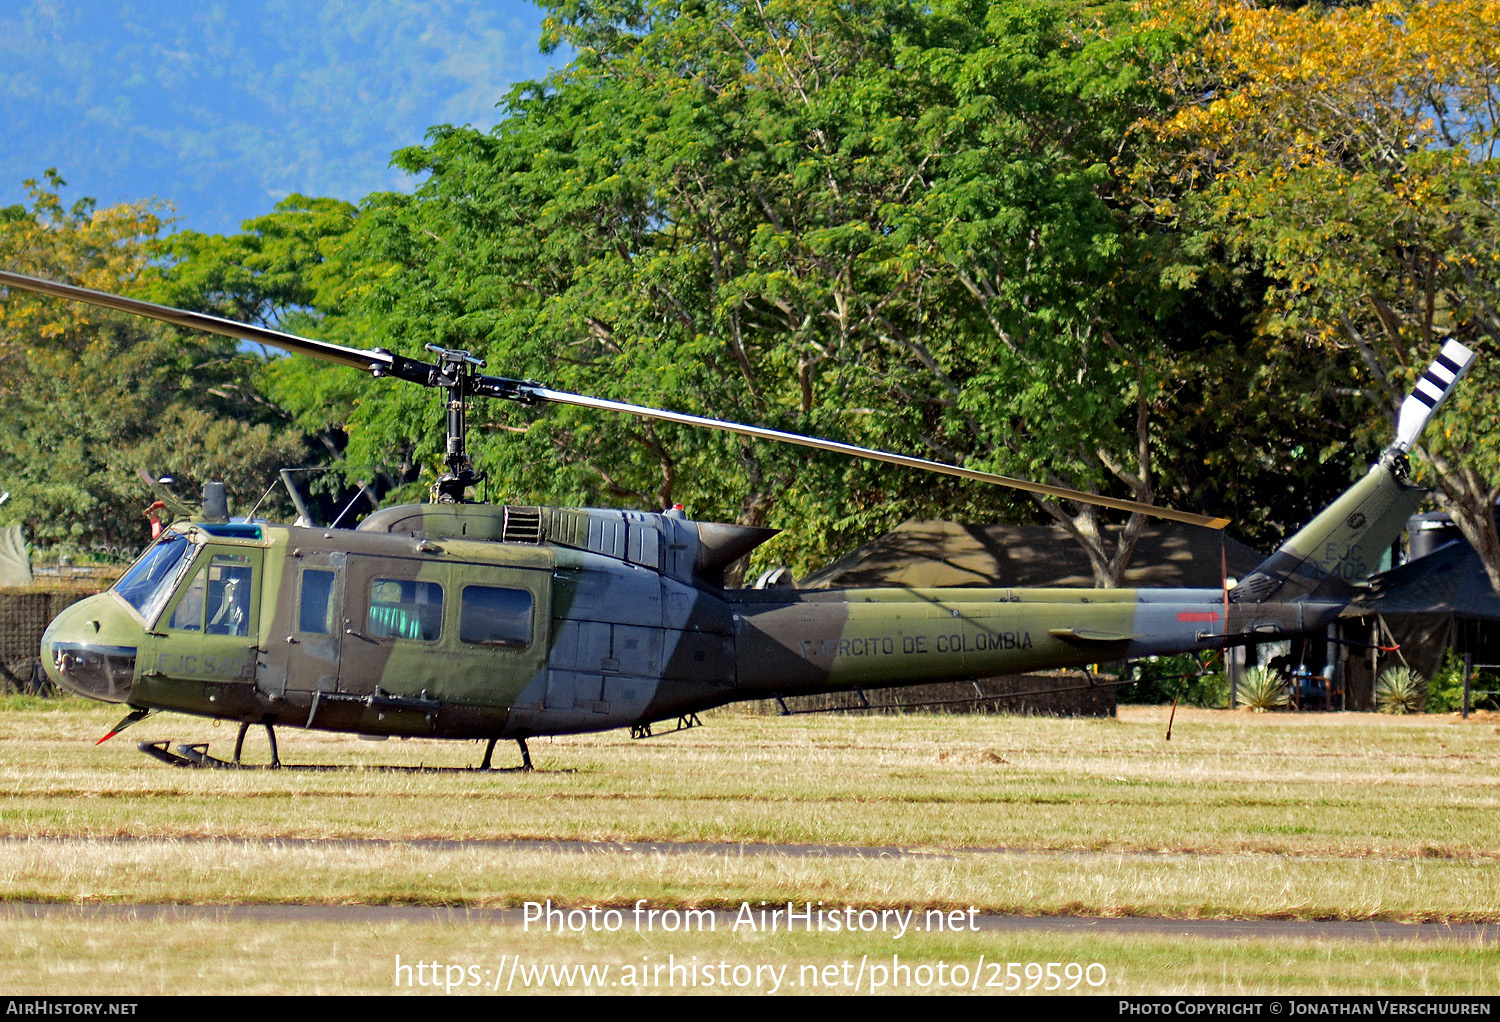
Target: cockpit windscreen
<point>151,579</point>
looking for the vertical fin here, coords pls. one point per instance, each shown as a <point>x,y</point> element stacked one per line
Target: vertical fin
<point>1344,544</point>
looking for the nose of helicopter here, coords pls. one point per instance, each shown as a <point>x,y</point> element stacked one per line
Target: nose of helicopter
<point>90,648</point>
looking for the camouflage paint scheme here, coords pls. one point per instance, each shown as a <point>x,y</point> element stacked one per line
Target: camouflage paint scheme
<point>629,622</point>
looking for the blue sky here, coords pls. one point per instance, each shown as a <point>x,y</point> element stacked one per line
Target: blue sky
<point>222,109</point>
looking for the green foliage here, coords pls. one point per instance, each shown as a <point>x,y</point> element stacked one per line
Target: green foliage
<point>1211,692</point>
<point>136,398</point>
<point>1445,689</point>
<point>889,224</point>
<point>298,269</point>
<point>1262,689</point>
<point>904,227</point>
<point>294,270</point>
<point>940,229</point>
<point>92,398</point>
<point>1179,678</point>
<point>1348,154</point>
<point>1399,690</point>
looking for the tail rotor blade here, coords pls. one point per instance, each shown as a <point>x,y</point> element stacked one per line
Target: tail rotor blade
<point>1432,389</point>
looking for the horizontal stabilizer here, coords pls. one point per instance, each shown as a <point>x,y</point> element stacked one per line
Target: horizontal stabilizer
<point>1090,635</point>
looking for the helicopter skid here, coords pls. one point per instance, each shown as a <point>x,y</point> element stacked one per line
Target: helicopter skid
<point>195,755</point>
<point>158,750</point>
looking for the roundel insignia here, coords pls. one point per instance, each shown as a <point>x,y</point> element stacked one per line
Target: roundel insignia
<point>1356,520</point>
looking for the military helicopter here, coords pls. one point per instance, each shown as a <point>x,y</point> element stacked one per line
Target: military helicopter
<point>470,621</point>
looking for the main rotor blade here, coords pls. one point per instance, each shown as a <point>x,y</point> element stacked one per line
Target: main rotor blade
<point>355,357</point>
<point>383,363</point>
<point>761,432</point>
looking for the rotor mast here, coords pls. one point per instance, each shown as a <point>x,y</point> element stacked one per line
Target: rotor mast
<point>456,376</point>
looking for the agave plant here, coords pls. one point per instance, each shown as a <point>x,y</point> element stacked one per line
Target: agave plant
<point>1400,690</point>
<point>1262,689</point>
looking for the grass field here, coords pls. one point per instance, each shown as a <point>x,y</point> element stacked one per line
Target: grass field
<point>1238,816</point>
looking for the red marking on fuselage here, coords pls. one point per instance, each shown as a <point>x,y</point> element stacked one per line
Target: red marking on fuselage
<point>1198,615</point>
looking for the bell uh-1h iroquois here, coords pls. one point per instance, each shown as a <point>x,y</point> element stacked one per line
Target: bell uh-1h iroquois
<point>470,621</point>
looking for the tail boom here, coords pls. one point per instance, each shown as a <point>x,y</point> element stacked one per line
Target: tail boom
<point>874,638</point>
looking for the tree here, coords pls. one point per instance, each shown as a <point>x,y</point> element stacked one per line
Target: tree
<point>292,270</point>
<point>1349,154</point>
<point>88,398</point>
<point>103,249</point>
<point>890,224</point>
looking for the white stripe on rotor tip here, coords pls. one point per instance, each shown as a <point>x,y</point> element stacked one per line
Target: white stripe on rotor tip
<point>1431,391</point>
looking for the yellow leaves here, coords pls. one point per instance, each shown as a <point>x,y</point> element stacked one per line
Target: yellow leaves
<point>106,249</point>
<point>1311,81</point>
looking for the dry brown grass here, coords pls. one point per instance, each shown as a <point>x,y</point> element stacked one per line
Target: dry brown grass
<point>1343,816</point>
<point>1110,884</point>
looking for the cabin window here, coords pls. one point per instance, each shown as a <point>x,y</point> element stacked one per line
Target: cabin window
<point>315,606</point>
<point>493,616</point>
<point>402,609</point>
<point>217,600</point>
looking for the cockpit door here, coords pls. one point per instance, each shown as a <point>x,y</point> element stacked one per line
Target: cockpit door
<point>209,629</point>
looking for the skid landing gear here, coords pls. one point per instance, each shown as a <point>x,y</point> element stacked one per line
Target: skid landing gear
<point>188,755</point>
<point>195,754</point>
<point>489,751</point>
<point>239,745</point>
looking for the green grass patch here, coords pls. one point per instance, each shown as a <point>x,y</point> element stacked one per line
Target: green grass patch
<point>83,956</point>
